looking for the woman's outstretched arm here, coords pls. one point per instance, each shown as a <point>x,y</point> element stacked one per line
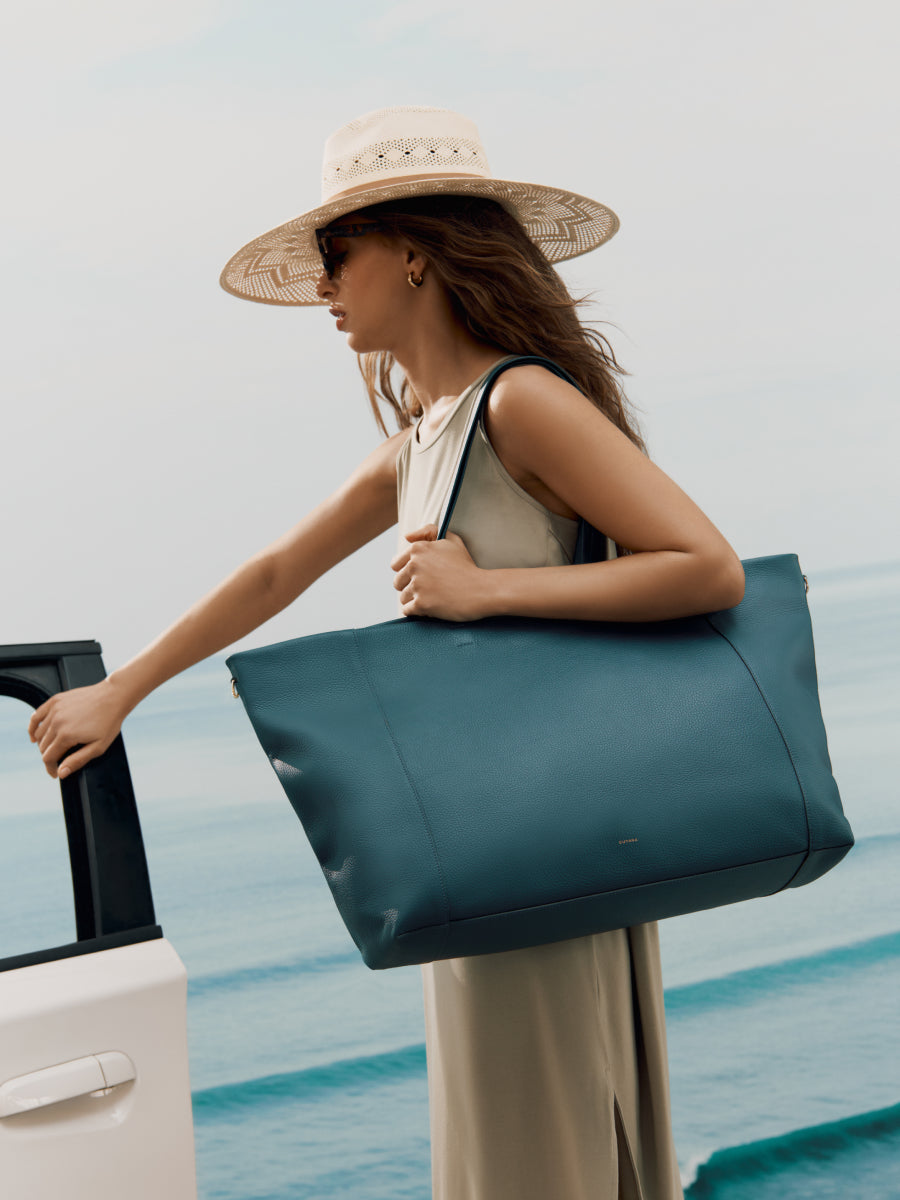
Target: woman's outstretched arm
<point>90,717</point>
<point>569,455</point>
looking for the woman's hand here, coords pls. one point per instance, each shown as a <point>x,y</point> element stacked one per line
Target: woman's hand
<point>87,717</point>
<point>438,578</point>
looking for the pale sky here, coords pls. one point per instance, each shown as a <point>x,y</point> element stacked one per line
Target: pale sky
<point>157,431</point>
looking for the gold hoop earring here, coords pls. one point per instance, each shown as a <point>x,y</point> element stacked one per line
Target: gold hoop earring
<point>413,282</point>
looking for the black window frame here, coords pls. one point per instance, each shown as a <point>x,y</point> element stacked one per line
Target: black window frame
<point>110,878</point>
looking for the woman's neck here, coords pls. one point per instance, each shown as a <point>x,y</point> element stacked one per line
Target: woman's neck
<point>440,358</point>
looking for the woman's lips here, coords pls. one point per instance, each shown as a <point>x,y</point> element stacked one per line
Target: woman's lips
<point>339,314</point>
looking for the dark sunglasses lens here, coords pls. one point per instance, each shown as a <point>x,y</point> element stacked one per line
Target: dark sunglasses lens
<point>331,260</point>
<point>329,264</point>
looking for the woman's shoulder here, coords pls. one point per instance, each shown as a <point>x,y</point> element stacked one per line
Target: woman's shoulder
<point>523,385</point>
<point>528,400</point>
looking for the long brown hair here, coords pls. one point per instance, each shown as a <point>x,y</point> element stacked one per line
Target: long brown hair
<point>505,291</point>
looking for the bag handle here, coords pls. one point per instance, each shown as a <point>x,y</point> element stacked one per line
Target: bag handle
<point>591,545</point>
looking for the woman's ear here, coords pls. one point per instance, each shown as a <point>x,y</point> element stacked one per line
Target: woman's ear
<point>416,263</point>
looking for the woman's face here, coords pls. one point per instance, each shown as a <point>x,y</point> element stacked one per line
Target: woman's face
<point>367,292</point>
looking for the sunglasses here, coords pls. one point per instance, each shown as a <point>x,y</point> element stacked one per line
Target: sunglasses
<point>331,258</point>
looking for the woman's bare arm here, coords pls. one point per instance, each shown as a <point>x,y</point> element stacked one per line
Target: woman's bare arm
<point>562,449</point>
<point>90,717</point>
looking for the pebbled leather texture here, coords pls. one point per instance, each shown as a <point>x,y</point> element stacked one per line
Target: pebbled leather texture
<point>472,788</point>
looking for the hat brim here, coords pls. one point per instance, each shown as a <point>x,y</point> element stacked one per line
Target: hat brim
<point>283,265</point>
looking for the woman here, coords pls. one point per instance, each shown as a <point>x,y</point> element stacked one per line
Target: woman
<point>547,1066</point>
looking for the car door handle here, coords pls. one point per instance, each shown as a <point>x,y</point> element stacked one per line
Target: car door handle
<point>65,1081</point>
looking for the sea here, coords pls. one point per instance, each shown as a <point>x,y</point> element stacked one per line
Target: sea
<point>308,1070</point>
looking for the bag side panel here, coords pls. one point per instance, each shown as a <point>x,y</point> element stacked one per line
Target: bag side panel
<point>818,862</point>
<point>316,718</point>
<point>772,632</point>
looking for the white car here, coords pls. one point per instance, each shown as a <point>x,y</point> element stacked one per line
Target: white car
<point>95,1096</point>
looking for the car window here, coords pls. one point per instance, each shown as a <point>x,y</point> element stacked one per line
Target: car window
<point>35,876</point>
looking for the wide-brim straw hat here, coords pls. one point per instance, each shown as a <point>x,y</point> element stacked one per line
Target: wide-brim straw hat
<point>391,154</point>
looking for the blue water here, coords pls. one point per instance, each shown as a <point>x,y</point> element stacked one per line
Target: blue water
<point>309,1070</point>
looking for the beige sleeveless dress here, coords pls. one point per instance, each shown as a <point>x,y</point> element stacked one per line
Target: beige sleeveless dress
<point>547,1067</point>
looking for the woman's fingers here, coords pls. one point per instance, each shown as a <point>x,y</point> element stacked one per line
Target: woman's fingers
<point>52,750</point>
<point>53,745</point>
<point>411,604</point>
<point>39,715</point>
<point>406,564</point>
<point>77,759</point>
<point>403,564</point>
<point>49,732</point>
<point>402,579</point>
<point>83,720</point>
<point>436,578</point>
<point>60,759</point>
<point>428,533</point>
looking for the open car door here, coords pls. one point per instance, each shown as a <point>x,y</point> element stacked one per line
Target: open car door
<point>94,1089</point>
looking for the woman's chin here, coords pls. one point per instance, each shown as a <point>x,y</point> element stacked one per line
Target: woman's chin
<point>360,344</point>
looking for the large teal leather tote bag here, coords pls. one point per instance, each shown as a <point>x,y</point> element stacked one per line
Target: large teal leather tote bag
<point>479,787</point>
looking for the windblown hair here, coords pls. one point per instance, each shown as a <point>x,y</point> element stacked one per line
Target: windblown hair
<point>505,291</point>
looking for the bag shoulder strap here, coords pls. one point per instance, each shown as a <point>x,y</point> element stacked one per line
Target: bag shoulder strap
<point>591,544</point>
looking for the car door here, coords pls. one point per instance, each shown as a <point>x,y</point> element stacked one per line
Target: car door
<point>94,1088</point>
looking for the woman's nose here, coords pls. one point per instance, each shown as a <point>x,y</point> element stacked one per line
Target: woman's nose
<point>324,287</point>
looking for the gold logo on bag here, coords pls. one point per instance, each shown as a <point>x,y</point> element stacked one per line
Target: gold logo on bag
<point>623,841</point>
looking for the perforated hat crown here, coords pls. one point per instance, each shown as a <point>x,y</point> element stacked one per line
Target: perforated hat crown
<point>395,153</point>
<point>391,144</point>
